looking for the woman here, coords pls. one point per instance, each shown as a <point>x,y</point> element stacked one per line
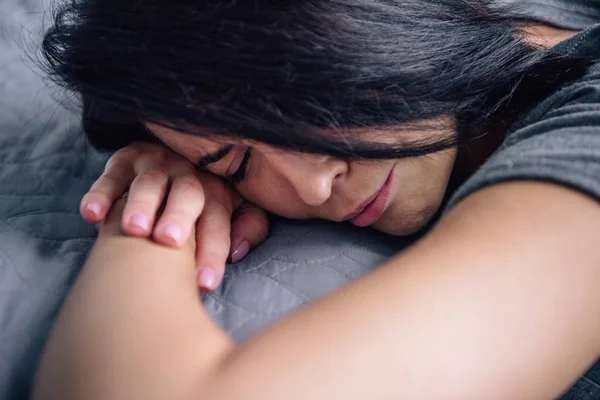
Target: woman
<point>372,112</point>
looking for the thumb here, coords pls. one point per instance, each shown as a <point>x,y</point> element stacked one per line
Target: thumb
<point>249,228</point>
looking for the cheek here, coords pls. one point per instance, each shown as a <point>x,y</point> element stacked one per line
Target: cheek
<point>420,187</point>
<point>273,194</point>
<point>426,178</point>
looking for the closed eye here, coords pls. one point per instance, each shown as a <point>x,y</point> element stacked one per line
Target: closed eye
<point>239,175</point>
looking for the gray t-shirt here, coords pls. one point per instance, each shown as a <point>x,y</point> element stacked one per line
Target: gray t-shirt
<point>558,140</point>
<point>568,14</point>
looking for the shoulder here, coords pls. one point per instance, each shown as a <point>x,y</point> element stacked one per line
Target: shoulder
<point>558,142</point>
<point>573,112</point>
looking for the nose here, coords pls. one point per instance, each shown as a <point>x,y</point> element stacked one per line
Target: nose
<point>313,176</point>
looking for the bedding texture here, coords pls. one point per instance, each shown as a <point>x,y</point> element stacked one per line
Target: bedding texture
<point>46,166</point>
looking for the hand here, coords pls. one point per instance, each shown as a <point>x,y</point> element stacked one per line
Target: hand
<point>166,197</point>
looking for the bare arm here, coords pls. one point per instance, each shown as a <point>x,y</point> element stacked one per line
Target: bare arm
<point>132,326</point>
<point>499,301</point>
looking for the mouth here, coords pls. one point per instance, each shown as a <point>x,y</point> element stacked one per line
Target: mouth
<point>370,211</point>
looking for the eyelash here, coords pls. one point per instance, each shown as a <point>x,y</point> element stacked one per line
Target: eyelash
<point>240,174</point>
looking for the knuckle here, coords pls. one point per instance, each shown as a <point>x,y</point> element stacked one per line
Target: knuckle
<point>106,182</point>
<point>154,177</point>
<point>179,163</point>
<point>116,163</point>
<point>185,212</point>
<point>158,154</point>
<point>126,154</point>
<point>145,147</point>
<point>149,161</point>
<point>133,153</point>
<point>217,189</point>
<point>188,184</point>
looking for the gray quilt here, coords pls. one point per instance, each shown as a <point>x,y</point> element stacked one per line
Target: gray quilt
<point>45,168</point>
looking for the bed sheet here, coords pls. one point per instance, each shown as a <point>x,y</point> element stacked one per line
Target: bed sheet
<point>46,166</point>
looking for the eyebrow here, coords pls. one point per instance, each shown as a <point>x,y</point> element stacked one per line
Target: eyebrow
<point>212,158</point>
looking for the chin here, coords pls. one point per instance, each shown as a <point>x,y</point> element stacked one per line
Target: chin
<point>406,222</point>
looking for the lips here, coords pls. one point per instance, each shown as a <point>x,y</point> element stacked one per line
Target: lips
<point>370,211</point>
<point>362,207</point>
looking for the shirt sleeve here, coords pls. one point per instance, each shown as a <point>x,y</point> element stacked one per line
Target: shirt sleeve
<point>558,142</point>
<point>567,14</point>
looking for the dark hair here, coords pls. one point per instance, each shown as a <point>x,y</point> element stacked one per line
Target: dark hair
<point>280,71</point>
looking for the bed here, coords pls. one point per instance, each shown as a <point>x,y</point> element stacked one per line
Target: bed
<point>46,165</point>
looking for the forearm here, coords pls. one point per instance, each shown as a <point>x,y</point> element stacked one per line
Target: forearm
<point>490,305</point>
<point>132,327</point>
<point>499,302</point>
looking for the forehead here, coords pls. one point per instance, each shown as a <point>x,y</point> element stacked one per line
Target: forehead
<point>406,134</point>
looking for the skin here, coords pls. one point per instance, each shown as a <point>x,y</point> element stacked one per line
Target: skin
<point>547,35</point>
<point>293,185</point>
<point>511,315</point>
<point>289,184</point>
<point>151,176</point>
<point>304,186</point>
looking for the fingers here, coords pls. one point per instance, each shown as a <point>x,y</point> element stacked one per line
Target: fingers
<point>213,239</point>
<point>112,220</point>
<point>184,205</point>
<point>249,228</point>
<point>166,197</point>
<point>145,172</point>
<point>112,184</point>
<point>145,196</point>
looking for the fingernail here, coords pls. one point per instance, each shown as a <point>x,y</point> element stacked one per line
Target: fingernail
<point>140,221</point>
<point>94,207</point>
<point>206,278</point>
<point>240,252</point>
<point>173,231</point>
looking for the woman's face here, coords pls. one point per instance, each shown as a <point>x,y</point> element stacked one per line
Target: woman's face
<point>394,196</point>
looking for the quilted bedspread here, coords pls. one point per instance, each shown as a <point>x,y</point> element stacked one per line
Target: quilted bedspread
<point>46,166</point>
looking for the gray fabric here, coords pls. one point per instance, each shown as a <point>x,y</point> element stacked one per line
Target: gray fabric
<point>43,243</point>
<point>569,14</point>
<point>45,167</point>
<point>559,140</point>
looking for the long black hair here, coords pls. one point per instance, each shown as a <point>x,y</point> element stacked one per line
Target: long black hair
<point>282,71</point>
